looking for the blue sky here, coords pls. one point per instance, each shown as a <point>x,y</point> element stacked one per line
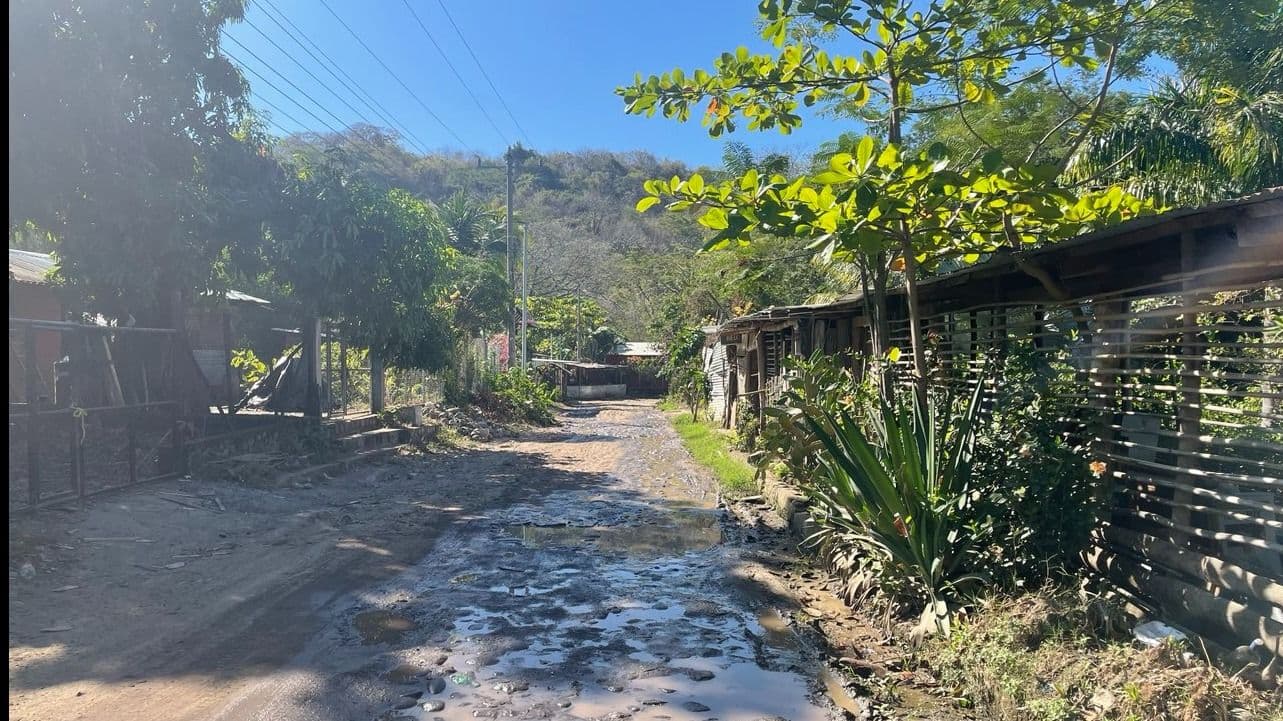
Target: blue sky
<point>556,63</point>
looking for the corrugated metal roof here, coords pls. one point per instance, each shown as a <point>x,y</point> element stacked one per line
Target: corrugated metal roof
<point>236,296</point>
<point>638,349</point>
<point>26,266</point>
<point>570,363</point>
<point>1098,236</point>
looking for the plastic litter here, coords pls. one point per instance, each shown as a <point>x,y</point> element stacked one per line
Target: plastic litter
<point>1154,633</point>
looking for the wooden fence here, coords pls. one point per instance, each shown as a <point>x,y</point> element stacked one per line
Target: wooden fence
<point>108,417</point>
<point>1170,372</point>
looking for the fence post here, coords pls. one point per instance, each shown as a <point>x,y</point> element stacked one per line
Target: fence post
<point>376,382</point>
<point>329,372</point>
<point>343,389</point>
<point>132,431</point>
<point>33,417</point>
<point>178,444</point>
<point>312,367</point>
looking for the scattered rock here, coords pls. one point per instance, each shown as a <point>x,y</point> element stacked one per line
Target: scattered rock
<point>436,684</point>
<point>699,674</point>
<point>433,705</point>
<point>27,571</point>
<point>511,687</point>
<point>57,629</point>
<point>694,706</point>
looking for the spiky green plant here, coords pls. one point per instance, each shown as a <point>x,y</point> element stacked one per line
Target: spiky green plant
<point>898,484</point>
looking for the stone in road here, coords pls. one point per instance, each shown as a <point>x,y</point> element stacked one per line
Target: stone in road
<point>617,600</point>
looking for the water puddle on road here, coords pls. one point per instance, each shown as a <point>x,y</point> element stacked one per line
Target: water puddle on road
<point>380,626</point>
<point>677,532</point>
<point>585,607</point>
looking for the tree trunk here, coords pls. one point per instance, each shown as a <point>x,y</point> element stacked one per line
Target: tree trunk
<point>915,321</point>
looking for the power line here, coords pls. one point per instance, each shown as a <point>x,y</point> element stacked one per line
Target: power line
<point>278,109</point>
<point>245,66</point>
<point>358,92</point>
<point>396,77</point>
<point>310,74</point>
<point>484,74</point>
<point>291,83</point>
<point>454,70</point>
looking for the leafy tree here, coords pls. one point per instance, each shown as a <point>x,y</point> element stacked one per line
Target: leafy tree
<point>472,226</point>
<point>1193,142</point>
<point>882,205</point>
<point>684,368</point>
<point>129,141</point>
<point>570,327</point>
<point>370,258</point>
<point>477,293</point>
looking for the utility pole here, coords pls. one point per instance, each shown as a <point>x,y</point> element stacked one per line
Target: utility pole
<point>525,301</point>
<point>514,155</point>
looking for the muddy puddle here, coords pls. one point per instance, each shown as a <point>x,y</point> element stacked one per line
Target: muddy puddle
<point>590,608</point>
<point>674,533</point>
<point>380,626</point>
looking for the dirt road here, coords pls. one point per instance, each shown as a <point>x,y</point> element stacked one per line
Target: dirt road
<point>585,571</point>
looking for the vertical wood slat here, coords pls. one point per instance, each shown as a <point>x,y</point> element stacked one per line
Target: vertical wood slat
<point>1188,411</point>
<point>1104,400</point>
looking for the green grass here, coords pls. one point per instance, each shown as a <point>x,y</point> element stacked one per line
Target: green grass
<point>710,447</point>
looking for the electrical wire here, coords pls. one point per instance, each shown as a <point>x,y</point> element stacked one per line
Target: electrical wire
<point>484,74</point>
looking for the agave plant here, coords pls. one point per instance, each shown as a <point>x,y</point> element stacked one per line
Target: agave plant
<point>898,483</point>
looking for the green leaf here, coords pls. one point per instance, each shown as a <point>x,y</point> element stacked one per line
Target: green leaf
<point>645,203</point>
<point>864,154</point>
<point>695,184</point>
<point>715,218</point>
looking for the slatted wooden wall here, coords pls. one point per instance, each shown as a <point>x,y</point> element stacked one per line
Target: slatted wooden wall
<point>1176,384</point>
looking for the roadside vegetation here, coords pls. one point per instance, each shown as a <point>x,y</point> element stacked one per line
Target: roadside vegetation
<point>1057,654</point>
<point>712,448</point>
<point>979,130</point>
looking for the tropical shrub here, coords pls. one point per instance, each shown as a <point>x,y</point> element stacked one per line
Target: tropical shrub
<point>249,364</point>
<point>893,483</point>
<point>747,425</point>
<point>923,503</point>
<point>690,385</point>
<point>684,368</point>
<point>1033,476</point>
<point>517,392</point>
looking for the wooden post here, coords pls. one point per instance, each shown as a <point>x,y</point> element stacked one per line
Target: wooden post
<point>761,380</point>
<point>132,431</point>
<point>376,382</point>
<point>329,372</point>
<point>1189,411</point>
<point>33,417</point>
<point>179,444</point>
<point>312,367</point>
<point>343,388</point>
<point>232,391</point>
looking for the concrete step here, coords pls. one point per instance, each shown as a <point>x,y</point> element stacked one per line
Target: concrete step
<point>376,438</point>
<point>352,425</point>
